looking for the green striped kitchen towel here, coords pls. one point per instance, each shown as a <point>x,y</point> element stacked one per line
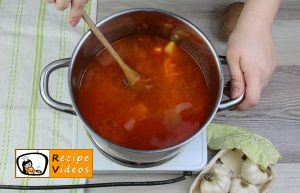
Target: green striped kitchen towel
<point>33,34</point>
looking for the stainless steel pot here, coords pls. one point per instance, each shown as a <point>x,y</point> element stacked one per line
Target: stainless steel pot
<point>134,22</point>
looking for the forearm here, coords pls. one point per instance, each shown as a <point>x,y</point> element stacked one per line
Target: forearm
<point>259,14</point>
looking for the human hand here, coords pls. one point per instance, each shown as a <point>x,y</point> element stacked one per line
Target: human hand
<point>77,7</point>
<point>252,61</point>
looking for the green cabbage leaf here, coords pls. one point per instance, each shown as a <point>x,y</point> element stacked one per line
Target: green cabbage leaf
<point>257,148</point>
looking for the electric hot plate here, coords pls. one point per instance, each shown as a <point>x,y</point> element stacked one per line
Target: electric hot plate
<point>192,158</point>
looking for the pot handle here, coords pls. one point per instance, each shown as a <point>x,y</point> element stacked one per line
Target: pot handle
<point>44,86</point>
<point>229,103</point>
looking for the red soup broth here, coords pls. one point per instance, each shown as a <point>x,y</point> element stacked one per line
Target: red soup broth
<point>166,106</point>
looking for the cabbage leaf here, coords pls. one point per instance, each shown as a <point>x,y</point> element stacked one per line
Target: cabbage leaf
<point>257,148</point>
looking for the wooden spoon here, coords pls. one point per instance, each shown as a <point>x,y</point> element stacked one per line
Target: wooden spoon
<point>130,74</point>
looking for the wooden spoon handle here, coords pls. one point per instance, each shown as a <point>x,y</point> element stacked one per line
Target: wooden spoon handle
<point>131,75</point>
<point>103,40</point>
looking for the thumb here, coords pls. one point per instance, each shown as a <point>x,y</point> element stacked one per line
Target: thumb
<point>237,85</point>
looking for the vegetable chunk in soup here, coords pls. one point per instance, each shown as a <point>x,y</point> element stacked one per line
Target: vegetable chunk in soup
<point>165,107</point>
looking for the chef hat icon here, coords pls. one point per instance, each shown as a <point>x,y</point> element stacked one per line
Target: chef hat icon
<point>25,158</point>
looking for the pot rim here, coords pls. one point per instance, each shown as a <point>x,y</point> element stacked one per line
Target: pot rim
<point>190,25</point>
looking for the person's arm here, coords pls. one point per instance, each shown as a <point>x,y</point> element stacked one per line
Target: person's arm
<point>77,7</point>
<point>250,51</point>
<point>258,12</point>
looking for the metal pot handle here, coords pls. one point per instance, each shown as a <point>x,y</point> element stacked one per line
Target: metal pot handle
<point>44,86</point>
<point>229,103</point>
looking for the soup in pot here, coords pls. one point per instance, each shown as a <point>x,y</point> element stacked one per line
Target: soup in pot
<point>168,104</point>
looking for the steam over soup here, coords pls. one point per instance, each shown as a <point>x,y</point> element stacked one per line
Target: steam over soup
<point>166,106</point>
